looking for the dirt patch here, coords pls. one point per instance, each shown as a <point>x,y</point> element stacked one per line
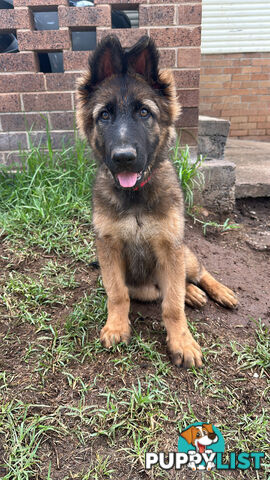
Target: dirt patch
<point>66,393</point>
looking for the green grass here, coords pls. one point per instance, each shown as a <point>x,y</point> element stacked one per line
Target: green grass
<point>47,203</point>
<point>23,433</point>
<point>255,357</point>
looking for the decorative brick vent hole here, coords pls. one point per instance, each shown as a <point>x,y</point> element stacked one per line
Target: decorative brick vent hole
<point>83,39</point>
<point>45,19</point>
<point>50,62</point>
<point>125,16</point>
<point>8,42</point>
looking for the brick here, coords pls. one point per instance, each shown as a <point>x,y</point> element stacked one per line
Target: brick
<point>181,36</point>
<point>258,118</point>
<point>257,132</point>
<point>167,58</point>
<point>260,76</point>
<point>213,78</point>
<point>188,98</point>
<point>243,126</point>
<point>12,159</point>
<point>10,102</point>
<point>18,62</point>
<point>156,15</point>
<point>265,68</point>
<point>232,69</point>
<point>213,71</point>
<point>243,119</point>
<point>119,2</point>
<point>261,61</point>
<point>241,77</point>
<point>251,69</point>
<point>57,138</point>
<point>263,125</point>
<point>12,141</point>
<point>47,102</point>
<point>189,14</point>
<point>174,1</point>
<point>231,99</point>
<point>189,117</point>
<point>76,60</point>
<point>187,78</point>
<point>44,40</point>
<point>22,82</point>
<point>188,58</point>
<point>249,98</point>
<point>39,3</point>
<point>13,19</point>
<point>63,120</point>
<point>61,81</point>
<point>127,36</point>
<point>85,16</point>
<point>239,133</point>
<point>22,121</point>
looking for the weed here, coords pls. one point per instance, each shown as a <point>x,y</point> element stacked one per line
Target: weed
<point>188,171</point>
<point>191,178</point>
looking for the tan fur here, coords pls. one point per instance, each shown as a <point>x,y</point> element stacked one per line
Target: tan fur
<point>140,239</point>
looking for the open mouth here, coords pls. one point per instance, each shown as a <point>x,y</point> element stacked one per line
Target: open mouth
<point>201,447</point>
<point>129,179</point>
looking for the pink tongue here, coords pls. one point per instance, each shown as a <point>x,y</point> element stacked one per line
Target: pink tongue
<point>127,179</point>
<point>201,447</point>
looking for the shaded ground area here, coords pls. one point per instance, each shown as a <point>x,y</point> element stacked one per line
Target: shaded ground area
<point>72,410</point>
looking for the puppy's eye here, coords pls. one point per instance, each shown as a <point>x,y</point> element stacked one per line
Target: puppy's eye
<point>198,434</point>
<point>144,112</point>
<point>104,115</point>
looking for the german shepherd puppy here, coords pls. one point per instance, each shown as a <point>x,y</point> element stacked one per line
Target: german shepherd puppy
<point>127,109</point>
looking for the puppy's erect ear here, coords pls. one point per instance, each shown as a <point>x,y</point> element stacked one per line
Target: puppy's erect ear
<point>107,60</point>
<point>143,58</point>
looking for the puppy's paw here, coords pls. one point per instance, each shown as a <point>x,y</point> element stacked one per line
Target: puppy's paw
<point>224,296</point>
<point>112,334</point>
<point>185,351</point>
<point>195,297</point>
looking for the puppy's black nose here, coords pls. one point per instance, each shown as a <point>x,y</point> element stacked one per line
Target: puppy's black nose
<point>212,436</point>
<point>124,155</point>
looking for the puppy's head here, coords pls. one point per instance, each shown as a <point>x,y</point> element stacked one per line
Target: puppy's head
<point>126,108</point>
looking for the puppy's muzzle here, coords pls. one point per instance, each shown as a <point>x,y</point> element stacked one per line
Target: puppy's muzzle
<point>123,157</point>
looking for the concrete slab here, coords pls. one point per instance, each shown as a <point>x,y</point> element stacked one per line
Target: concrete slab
<point>212,136</point>
<point>252,160</point>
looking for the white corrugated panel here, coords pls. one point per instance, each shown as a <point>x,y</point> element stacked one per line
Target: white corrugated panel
<point>235,26</point>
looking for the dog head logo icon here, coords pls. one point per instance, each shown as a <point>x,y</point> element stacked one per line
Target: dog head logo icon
<point>201,441</point>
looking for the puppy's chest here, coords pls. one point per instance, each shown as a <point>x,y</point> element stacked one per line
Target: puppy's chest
<point>137,228</point>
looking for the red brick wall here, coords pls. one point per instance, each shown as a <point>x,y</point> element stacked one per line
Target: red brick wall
<point>25,92</point>
<point>236,86</point>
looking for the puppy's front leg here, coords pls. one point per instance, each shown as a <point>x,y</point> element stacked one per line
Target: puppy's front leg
<point>183,349</point>
<point>117,327</point>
